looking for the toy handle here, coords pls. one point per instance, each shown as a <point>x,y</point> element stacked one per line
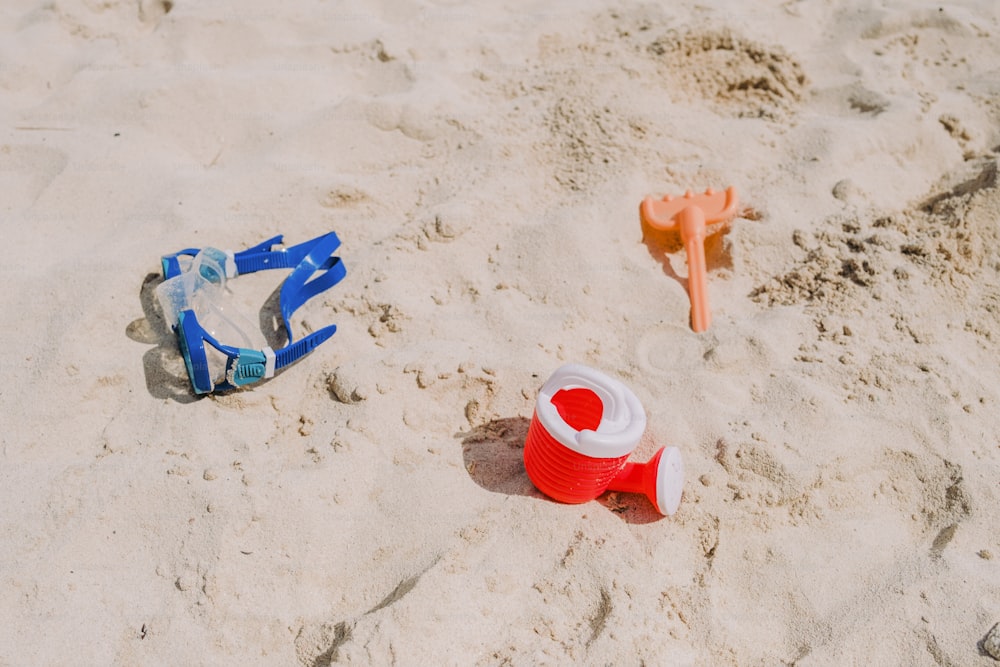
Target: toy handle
<point>691,221</point>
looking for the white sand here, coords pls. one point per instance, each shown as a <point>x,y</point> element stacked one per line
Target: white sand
<point>483,165</point>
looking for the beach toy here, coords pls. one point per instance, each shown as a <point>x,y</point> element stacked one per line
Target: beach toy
<point>584,428</point>
<point>194,302</point>
<point>690,215</point>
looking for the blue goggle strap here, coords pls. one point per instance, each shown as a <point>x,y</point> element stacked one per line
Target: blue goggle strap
<point>260,257</point>
<point>301,285</point>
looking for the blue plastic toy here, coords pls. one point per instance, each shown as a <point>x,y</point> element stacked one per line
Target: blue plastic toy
<point>193,299</point>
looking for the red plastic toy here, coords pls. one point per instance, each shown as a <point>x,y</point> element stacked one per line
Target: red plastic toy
<point>585,426</point>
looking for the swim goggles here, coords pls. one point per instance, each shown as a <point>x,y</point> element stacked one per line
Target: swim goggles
<point>194,302</point>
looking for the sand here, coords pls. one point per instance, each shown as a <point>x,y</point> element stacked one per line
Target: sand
<point>483,165</point>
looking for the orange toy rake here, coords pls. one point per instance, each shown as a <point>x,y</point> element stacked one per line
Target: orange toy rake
<point>690,215</point>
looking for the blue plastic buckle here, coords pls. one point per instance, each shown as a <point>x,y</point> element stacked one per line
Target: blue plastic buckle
<point>248,367</point>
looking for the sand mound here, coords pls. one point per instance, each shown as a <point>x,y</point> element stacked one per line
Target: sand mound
<point>734,74</point>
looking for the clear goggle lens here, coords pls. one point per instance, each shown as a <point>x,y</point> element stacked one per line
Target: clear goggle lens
<point>200,287</point>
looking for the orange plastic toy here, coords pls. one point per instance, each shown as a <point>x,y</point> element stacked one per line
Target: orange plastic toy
<point>690,215</point>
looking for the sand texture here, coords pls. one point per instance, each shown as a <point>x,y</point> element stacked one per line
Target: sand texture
<point>483,164</point>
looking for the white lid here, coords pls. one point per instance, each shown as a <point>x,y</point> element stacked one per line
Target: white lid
<point>622,421</point>
<point>669,481</point>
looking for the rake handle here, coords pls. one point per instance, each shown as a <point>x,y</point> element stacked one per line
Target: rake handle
<point>691,221</point>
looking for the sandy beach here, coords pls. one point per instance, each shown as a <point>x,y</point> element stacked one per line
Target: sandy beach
<point>483,165</point>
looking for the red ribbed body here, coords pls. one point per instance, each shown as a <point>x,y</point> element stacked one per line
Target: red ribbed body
<point>558,471</point>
